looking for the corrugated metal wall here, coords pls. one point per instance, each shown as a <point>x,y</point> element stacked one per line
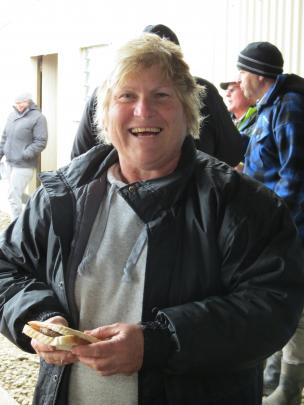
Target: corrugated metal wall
<point>280,22</point>
<point>277,21</point>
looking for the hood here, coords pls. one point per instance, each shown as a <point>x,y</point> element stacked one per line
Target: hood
<point>162,31</point>
<point>32,106</point>
<point>285,83</point>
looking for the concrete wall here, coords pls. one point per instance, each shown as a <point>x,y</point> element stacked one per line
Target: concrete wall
<point>49,97</point>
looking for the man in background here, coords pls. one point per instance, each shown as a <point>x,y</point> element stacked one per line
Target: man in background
<point>275,157</point>
<point>24,137</point>
<point>242,110</point>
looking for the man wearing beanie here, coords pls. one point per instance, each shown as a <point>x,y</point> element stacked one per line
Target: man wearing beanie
<point>275,158</point>
<point>24,137</point>
<point>218,135</point>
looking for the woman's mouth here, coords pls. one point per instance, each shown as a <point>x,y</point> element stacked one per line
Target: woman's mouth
<point>145,131</point>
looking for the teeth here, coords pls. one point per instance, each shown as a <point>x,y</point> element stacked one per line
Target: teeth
<point>139,130</point>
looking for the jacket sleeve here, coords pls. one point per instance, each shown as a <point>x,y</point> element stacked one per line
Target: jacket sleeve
<point>25,288</point>
<point>218,135</point>
<point>2,143</point>
<point>40,136</point>
<point>288,135</point>
<point>261,298</point>
<point>86,135</point>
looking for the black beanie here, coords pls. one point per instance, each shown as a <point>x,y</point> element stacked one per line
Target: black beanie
<point>261,58</point>
<point>162,31</point>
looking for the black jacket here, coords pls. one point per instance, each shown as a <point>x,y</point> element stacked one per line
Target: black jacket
<point>224,271</point>
<point>218,135</point>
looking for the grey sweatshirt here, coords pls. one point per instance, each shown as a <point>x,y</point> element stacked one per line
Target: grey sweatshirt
<point>24,137</point>
<point>109,288</point>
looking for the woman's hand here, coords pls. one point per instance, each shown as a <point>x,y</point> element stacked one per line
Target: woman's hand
<point>49,353</point>
<point>120,351</point>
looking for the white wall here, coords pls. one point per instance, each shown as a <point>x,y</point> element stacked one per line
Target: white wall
<point>16,76</point>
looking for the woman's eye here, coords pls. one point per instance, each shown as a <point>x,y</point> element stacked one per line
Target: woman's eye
<point>126,97</point>
<point>162,95</point>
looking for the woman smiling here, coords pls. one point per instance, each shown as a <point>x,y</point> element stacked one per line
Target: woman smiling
<point>159,251</point>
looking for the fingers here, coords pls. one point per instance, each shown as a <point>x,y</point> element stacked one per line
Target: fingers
<point>49,353</point>
<point>120,349</point>
<point>105,332</point>
<point>59,357</point>
<point>95,350</point>
<point>40,347</point>
<point>121,352</point>
<point>58,320</point>
<point>52,356</point>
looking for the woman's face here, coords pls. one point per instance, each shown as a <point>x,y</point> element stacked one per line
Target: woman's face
<point>146,123</point>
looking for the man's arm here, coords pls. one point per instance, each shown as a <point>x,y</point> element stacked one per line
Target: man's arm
<point>24,291</point>
<point>261,300</point>
<point>40,136</point>
<point>2,143</point>
<point>288,135</point>
<point>86,135</point>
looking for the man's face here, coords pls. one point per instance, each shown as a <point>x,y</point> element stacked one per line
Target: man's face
<point>146,123</point>
<point>235,99</point>
<point>22,105</point>
<point>250,84</point>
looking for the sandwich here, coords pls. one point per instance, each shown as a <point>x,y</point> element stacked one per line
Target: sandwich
<point>62,337</point>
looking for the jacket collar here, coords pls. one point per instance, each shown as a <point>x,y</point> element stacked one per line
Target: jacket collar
<point>32,106</point>
<point>284,83</point>
<point>152,197</point>
<point>148,198</point>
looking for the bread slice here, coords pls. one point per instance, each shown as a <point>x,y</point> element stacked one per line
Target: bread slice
<point>62,337</point>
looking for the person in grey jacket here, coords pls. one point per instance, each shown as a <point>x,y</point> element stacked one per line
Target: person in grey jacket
<point>159,250</point>
<point>24,137</point>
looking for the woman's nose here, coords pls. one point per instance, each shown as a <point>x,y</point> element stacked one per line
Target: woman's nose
<point>143,108</point>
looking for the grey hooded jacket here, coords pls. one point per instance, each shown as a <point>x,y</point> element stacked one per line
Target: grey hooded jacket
<point>24,137</point>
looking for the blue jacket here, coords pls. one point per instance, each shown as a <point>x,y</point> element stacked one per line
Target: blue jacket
<point>275,155</point>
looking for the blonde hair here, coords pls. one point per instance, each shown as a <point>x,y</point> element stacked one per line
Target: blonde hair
<point>142,53</point>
